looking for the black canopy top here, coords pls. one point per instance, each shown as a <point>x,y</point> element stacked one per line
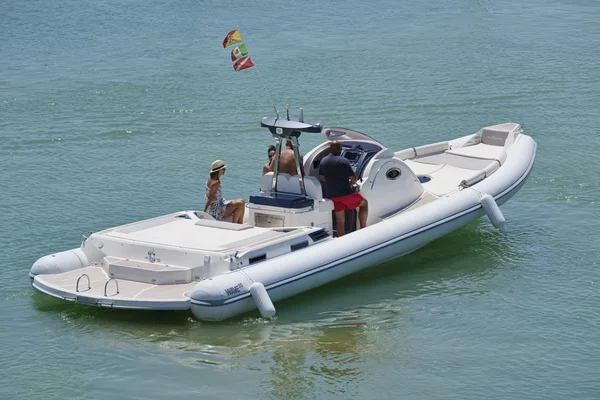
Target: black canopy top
<point>289,127</point>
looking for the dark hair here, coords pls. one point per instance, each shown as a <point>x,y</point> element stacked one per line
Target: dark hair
<point>270,149</point>
<point>214,175</point>
<point>335,147</point>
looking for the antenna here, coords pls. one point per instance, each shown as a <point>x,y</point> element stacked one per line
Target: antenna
<point>301,117</point>
<point>287,111</point>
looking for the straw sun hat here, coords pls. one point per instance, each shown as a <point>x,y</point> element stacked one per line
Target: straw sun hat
<point>217,166</point>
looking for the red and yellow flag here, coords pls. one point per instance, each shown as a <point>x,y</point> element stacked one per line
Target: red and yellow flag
<point>243,63</point>
<point>232,37</point>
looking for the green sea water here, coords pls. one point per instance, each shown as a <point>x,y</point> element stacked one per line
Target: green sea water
<point>112,111</point>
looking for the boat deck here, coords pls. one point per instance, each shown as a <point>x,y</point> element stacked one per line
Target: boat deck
<point>200,235</point>
<point>447,169</point>
<point>91,285</point>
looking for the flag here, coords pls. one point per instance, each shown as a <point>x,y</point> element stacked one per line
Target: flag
<point>239,52</point>
<point>232,37</point>
<point>243,63</point>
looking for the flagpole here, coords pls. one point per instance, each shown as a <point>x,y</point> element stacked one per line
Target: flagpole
<point>259,75</point>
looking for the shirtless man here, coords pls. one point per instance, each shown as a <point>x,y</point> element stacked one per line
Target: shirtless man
<point>287,165</point>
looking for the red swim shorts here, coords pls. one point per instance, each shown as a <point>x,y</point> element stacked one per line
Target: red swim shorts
<point>348,202</point>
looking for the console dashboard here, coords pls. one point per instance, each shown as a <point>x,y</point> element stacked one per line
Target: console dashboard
<point>357,153</point>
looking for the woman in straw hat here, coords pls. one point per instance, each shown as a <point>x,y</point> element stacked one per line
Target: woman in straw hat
<point>215,205</point>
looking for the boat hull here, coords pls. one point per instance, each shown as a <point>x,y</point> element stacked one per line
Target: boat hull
<point>228,295</point>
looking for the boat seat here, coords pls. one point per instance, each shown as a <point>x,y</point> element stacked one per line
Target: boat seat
<point>456,160</point>
<point>155,273</point>
<point>290,184</point>
<point>501,135</point>
<point>433,148</point>
<point>282,200</point>
<point>289,195</point>
<point>447,179</point>
<point>481,151</point>
<point>213,223</point>
<point>422,169</point>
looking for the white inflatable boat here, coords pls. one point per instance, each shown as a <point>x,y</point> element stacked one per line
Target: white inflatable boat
<point>188,260</point>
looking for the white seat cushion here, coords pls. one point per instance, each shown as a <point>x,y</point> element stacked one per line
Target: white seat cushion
<point>422,169</point>
<point>433,148</point>
<point>502,135</point>
<point>288,184</point>
<point>482,151</point>
<point>266,181</point>
<point>222,225</point>
<point>456,160</point>
<point>447,179</point>
<point>313,187</point>
<point>291,184</point>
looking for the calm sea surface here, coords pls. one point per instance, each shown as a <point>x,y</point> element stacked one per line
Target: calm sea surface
<point>112,111</point>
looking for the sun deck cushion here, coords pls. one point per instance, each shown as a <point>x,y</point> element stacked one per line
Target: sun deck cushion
<point>455,160</point>
<point>422,169</point>
<point>481,151</point>
<point>222,225</point>
<point>447,179</point>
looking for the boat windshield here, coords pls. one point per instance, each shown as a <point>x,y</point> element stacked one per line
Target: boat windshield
<point>345,134</point>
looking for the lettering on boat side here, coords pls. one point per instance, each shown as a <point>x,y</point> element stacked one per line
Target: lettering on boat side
<point>234,289</point>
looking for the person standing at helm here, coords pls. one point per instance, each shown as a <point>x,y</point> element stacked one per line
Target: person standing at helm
<point>215,205</point>
<point>337,173</point>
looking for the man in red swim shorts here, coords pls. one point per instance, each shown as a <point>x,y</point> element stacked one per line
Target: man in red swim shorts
<point>337,172</point>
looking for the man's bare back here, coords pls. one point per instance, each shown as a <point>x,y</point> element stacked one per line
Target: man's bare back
<point>287,165</point>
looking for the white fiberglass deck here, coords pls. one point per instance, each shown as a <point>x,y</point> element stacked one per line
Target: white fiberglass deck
<point>102,291</point>
<point>200,235</point>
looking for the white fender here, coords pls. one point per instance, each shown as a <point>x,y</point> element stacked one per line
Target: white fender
<point>492,210</point>
<point>262,300</point>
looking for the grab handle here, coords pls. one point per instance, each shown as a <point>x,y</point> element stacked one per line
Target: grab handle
<point>88,281</point>
<point>106,285</point>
